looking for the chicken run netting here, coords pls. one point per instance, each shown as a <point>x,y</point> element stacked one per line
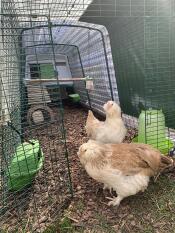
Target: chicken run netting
<point>86,52</point>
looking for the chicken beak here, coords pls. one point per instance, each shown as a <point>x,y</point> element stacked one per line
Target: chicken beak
<point>105,107</point>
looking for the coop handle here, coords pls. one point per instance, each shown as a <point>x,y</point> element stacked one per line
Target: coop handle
<point>21,136</point>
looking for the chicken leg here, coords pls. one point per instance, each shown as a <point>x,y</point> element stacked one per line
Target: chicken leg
<point>115,201</point>
<point>107,187</point>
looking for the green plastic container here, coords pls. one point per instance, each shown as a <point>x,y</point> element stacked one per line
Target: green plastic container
<point>152,130</point>
<point>26,162</point>
<point>75,98</point>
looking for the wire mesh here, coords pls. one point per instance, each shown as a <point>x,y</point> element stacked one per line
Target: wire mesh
<point>36,37</point>
<point>88,52</point>
<point>35,176</point>
<point>142,42</point>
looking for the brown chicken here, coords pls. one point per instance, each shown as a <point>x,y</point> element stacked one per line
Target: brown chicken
<point>112,130</point>
<point>126,168</point>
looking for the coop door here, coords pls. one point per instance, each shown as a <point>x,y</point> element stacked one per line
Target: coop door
<point>63,72</point>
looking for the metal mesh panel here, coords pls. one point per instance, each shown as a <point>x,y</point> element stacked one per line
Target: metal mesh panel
<point>92,57</point>
<point>38,36</point>
<point>35,177</point>
<point>142,35</point>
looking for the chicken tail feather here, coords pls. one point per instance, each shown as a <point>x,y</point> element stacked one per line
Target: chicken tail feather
<point>166,162</point>
<point>90,115</point>
<point>89,123</point>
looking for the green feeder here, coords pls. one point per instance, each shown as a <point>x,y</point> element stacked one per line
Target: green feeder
<point>26,162</point>
<point>152,130</point>
<point>75,98</point>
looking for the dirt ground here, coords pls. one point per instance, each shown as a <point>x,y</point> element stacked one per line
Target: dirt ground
<point>150,212</point>
<point>88,212</point>
<point>33,208</point>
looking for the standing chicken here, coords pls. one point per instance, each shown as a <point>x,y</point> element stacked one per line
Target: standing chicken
<point>126,168</point>
<point>112,130</point>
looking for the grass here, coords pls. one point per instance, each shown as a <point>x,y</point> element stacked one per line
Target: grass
<point>103,225</point>
<point>63,226</point>
<point>158,202</point>
<point>153,212</point>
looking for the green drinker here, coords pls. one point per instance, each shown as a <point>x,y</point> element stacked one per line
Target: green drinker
<point>152,130</point>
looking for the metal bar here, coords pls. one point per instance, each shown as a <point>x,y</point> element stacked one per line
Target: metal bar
<point>87,92</point>
<point>107,66</point>
<point>54,79</point>
<point>62,113</point>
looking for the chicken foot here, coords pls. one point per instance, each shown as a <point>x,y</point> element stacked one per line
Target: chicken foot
<point>115,201</point>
